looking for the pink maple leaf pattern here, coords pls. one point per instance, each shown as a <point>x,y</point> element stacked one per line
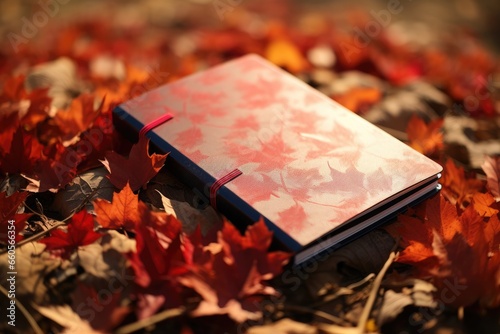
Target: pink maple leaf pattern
<point>349,181</point>
<point>379,180</point>
<point>264,186</point>
<point>180,91</point>
<point>272,154</point>
<point>275,154</point>
<point>302,122</point>
<point>298,180</point>
<point>206,98</point>
<point>294,217</point>
<point>197,156</point>
<point>258,94</point>
<point>189,138</point>
<point>211,77</point>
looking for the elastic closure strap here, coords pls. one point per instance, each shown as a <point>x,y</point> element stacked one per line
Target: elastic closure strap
<point>157,122</point>
<point>219,183</point>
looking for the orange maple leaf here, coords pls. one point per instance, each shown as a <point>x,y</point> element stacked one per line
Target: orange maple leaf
<point>284,53</point>
<point>137,169</point>
<point>78,117</point>
<point>359,99</point>
<point>113,92</point>
<point>457,187</point>
<point>128,212</point>
<point>123,211</point>
<point>425,138</point>
<point>484,204</point>
<point>456,250</point>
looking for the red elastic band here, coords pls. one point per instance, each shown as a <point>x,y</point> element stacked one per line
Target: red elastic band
<point>159,121</point>
<point>219,183</point>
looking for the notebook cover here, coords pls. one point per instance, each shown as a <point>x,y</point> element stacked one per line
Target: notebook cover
<point>309,165</point>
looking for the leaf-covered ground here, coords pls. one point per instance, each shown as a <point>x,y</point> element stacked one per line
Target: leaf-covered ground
<point>107,240</point>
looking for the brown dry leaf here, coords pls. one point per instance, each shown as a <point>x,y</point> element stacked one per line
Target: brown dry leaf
<point>68,319</point>
<point>191,217</point>
<point>60,78</point>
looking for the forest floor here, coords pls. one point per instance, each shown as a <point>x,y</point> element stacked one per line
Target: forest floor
<point>97,237</point>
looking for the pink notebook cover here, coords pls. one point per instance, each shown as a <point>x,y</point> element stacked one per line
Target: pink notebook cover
<point>309,165</point>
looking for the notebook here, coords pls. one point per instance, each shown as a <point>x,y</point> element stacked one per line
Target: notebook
<point>317,173</point>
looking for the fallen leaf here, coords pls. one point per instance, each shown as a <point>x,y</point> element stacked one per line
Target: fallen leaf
<point>191,217</point>
<point>359,99</point>
<point>101,308</point>
<point>137,169</point>
<point>9,207</point>
<point>425,138</point>
<point>453,249</point>
<point>393,304</point>
<point>458,188</point>
<point>80,232</point>
<point>484,204</point>
<point>122,212</point>
<point>23,154</point>
<point>77,118</point>
<point>285,54</point>
<point>83,189</point>
<point>10,123</point>
<point>32,267</point>
<point>59,77</point>
<point>66,317</point>
<point>239,271</point>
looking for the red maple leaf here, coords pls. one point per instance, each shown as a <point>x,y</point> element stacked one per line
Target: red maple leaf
<point>236,271</point>
<point>56,169</point>
<point>9,206</point>
<point>137,169</point>
<point>157,262</point>
<point>39,106</point>
<point>86,298</point>
<point>10,123</point>
<point>95,142</point>
<point>47,168</point>
<point>80,232</point>
<point>23,154</point>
